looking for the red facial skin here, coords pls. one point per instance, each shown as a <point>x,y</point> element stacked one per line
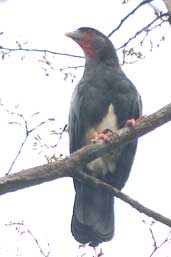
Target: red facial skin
<point>85,42</point>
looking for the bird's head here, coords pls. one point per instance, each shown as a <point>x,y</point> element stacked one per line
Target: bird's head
<point>94,43</point>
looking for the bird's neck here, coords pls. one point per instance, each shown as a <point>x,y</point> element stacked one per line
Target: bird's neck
<point>92,64</point>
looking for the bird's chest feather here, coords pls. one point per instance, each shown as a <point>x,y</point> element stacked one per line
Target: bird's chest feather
<point>102,166</point>
<point>94,106</point>
<point>108,121</point>
<point>94,103</point>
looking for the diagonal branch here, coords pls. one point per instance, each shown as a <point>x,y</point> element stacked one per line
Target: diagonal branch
<point>135,204</point>
<point>147,28</point>
<point>128,15</point>
<point>71,166</point>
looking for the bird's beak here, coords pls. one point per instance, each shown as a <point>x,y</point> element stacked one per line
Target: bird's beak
<point>68,34</point>
<point>74,35</point>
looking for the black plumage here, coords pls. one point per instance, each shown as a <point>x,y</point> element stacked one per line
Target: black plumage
<point>104,98</point>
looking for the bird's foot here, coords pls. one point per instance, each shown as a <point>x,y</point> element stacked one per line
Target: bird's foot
<point>102,136</point>
<point>131,122</point>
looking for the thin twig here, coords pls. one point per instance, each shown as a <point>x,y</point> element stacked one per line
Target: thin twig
<point>128,15</point>
<point>27,134</point>
<point>22,144</point>
<point>39,50</point>
<point>60,135</point>
<point>71,67</point>
<point>27,230</point>
<point>160,245</point>
<point>143,30</point>
<point>155,245</point>
<point>72,166</point>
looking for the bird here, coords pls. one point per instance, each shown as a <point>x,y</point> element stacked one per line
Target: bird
<point>103,99</point>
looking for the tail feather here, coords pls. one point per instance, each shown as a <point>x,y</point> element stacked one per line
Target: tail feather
<point>93,215</point>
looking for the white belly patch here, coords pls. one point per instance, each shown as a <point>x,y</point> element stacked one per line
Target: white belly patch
<point>105,164</point>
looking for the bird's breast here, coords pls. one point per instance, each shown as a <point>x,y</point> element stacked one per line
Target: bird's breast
<point>101,166</point>
<point>109,121</point>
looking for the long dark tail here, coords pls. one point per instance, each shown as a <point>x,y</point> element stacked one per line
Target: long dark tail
<point>93,215</point>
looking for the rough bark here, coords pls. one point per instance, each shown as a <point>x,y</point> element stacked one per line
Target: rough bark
<point>71,166</point>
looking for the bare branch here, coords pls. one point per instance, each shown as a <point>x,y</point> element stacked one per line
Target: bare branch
<point>146,29</point>
<point>20,47</point>
<point>39,50</point>
<point>40,145</point>
<point>71,67</point>
<point>71,166</point>
<point>24,230</point>
<point>155,244</point>
<point>128,15</point>
<point>27,133</point>
<point>166,240</point>
<point>64,129</point>
<point>135,204</point>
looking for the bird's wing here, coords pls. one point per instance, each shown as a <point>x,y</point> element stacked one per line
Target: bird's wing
<point>76,129</point>
<point>101,107</point>
<point>88,107</point>
<point>98,106</point>
<point>132,108</point>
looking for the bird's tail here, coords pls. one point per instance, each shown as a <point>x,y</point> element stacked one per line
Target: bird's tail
<point>93,215</point>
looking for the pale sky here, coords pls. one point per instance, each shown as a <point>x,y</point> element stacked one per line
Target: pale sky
<point>47,209</point>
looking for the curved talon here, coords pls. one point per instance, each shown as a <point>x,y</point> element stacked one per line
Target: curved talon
<point>131,122</point>
<point>141,117</point>
<point>102,136</point>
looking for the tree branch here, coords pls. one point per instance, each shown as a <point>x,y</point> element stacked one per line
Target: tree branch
<point>135,204</point>
<point>147,28</point>
<point>21,228</point>
<point>71,166</point>
<point>168,6</point>
<point>128,15</point>
<point>156,246</point>
<point>28,132</point>
<point>39,50</point>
